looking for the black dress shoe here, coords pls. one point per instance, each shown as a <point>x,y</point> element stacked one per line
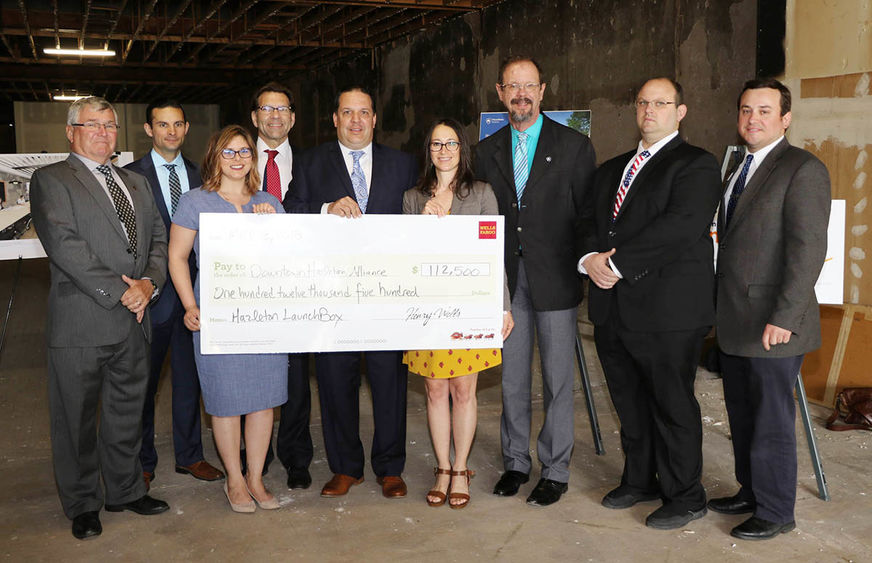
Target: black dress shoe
<point>732,505</point>
<point>669,517</point>
<point>143,505</point>
<point>758,529</point>
<point>546,492</point>
<point>625,497</point>
<point>510,482</point>
<point>87,525</point>
<point>299,478</point>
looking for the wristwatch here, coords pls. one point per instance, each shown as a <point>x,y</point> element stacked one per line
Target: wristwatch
<point>154,291</point>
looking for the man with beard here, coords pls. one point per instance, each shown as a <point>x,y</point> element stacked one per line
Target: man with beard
<point>540,172</point>
<point>273,113</point>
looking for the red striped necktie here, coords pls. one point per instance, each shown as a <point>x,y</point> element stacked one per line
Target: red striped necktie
<point>625,185</point>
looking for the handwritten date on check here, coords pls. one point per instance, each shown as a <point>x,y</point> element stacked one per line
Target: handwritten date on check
<point>319,283</point>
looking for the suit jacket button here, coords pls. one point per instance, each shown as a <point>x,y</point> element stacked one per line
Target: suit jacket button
<point>514,205</point>
<point>612,234</point>
<point>129,250</point>
<point>517,253</point>
<point>520,229</point>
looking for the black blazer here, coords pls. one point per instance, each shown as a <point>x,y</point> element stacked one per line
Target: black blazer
<point>549,226</point>
<point>661,236</point>
<point>168,303</point>
<point>320,176</point>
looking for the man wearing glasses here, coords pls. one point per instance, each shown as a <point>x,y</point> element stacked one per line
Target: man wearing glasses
<point>107,249</point>
<point>540,172</point>
<point>170,175</point>
<point>272,113</point>
<point>650,262</point>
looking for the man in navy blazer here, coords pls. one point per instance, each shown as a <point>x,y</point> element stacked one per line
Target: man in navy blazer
<point>650,262</point>
<point>349,178</point>
<point>170,174</point>
<point>540,172</point>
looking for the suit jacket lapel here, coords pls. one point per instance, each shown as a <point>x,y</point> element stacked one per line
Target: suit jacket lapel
<point>140,202</point>
<point>341,170</point>
<point>755,184</point>
<point>502,155</point>
<point>151,175</point>
<point>542,156</point>
<point>93,187</point>
<point>648,169</point>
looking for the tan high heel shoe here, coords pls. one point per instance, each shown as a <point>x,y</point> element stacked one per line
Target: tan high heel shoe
<point>271,504</point>
<point>241,507</point>
<point>438,494</point>
<point>469,474</point>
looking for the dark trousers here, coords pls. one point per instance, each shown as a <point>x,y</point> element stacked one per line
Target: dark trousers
<point>762,412</point>
<point>339,392</point>
<point>187,441</point>
<point>84,384</point>
<point>650,377</point>
<point>294,442</point>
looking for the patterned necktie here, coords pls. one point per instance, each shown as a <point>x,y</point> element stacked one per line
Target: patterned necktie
<point>122,206</point>
<point>273,181</point>
<point>738,188</point>
<point>628,179</point>
<point>521,170</point>
<point>358,181</point>
<point>175,188</point>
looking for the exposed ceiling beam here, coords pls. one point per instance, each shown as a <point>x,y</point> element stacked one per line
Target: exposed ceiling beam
<point>171,22</point>
<point>27,28</point>
<point>145,18</point>
<point>86,13</point>
<point>198,23</point>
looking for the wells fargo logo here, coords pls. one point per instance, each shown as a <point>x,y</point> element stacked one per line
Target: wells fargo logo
<point>487,229</point>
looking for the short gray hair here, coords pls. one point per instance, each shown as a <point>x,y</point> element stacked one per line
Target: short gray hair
<point>94,102</point>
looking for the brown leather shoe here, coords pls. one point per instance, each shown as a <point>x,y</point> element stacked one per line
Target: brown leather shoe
<point>148,477</point>
<point>339,485</point>
<point>202,470</point>
<point>393,486</point>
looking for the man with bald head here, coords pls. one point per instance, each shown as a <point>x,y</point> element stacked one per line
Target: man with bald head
<point>650,263</point>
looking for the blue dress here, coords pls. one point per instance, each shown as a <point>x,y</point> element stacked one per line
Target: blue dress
<point>232,384</point>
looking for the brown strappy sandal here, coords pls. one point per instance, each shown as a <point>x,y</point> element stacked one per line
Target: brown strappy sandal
<point>469,474</point>
<point>438,494</point>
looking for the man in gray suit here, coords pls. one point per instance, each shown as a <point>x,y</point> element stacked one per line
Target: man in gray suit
<point>107,248</point>
<point>773,240</point>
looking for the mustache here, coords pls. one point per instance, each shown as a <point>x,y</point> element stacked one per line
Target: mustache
<point>519,100</point>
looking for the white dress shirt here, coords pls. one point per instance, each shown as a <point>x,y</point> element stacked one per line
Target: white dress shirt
<point>755,163</point>
<point>652,150</point>
<point>92,166</point>
<point>284,160</point>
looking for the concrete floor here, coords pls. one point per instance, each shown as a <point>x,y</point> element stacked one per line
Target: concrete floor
<point>364,526</point>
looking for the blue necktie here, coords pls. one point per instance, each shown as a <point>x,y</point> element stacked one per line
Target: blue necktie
<point>738,188</point>
<point>521,170</point>
<point>358,181</point>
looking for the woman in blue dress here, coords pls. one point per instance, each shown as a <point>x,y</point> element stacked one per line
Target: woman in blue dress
<point>232,384</point>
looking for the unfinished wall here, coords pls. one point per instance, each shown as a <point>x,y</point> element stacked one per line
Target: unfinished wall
<point>594,54</point>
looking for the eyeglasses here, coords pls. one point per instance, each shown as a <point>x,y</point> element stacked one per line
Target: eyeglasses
<point>436,146</point>
<point>280,109</point>
<point>658,104</point>
<point>515,87</point>
<point>230,154</point>
<point>95,126</point>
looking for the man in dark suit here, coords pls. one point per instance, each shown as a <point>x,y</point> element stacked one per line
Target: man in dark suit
<point>170,175</point>
<point>652,303</point>
<point>773,238</point>
<point>107,249</point>
<point>540,172</point>
<point>273,114</point>
<point>349,178</point>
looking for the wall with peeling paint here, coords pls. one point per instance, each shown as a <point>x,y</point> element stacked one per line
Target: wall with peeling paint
<point>829,69</point>
<point>594,53</point>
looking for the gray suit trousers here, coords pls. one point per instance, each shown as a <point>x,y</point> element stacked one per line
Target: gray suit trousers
<point>556,331</point>
<point>116,377</point>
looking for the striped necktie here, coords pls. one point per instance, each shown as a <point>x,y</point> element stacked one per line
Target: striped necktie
<point>738,188</point>
<point>522,171</point>
<point>358,181</point>
<point>175,187</point>
<point>122,206</point>
<point>628,179</point>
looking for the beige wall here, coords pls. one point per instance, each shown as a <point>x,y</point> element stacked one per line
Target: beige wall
<point>39,126</point>
<point>828,69</point>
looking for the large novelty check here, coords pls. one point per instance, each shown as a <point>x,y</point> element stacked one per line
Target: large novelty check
<point>317,283</point>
